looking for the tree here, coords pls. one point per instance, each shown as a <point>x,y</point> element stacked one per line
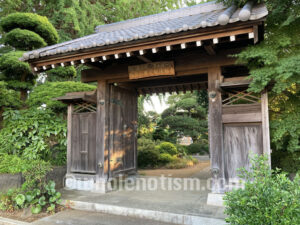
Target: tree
<point>275,62</point>
<point>73,18</point>
<point>23,31</point>
<point>185,117</point>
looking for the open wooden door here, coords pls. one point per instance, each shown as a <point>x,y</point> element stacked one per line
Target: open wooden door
<point>122,131</point>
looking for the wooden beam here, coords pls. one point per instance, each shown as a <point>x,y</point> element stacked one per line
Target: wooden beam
<point>189,64</point>
<point>69,138</point>
<point>102,129</point>
<point>216,131</point>
<point>144,59</point>
<point>242,118</point>
<point>265,125</point>
<point>210,49</point>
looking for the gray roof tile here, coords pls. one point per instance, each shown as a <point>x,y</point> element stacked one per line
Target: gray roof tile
<point>189,18</point>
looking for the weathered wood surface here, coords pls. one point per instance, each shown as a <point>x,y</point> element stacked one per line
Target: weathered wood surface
<point>152,69</point>
<point>241,108</point>
<point>265,125</point>
<point>102,129</point>
<point>122,130</point>
<point>242,117</point>
<point>83,152</point>
<point>69,138</point>
<point>187,64</point>
<point>216,131</point>
<point>239,141</point>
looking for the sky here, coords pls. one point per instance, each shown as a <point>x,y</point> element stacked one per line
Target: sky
<point>159,107</point>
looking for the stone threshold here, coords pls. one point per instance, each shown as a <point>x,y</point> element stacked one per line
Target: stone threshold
<point>143,213</point>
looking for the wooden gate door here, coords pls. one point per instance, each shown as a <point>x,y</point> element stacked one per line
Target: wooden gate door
<point>239,141</point>
<point>122,131</point>
<point>242,126</point>
<point>83,156</point>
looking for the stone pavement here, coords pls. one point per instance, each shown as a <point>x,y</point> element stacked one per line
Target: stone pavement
<point>76,217</point>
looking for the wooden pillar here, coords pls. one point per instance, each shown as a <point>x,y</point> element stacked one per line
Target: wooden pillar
<point>216,130</point>
<point>69,137</point>
<point>102,129</point>
<point>265,125</point>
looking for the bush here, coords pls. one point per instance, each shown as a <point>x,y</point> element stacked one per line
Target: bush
<point>148,155</point>
<point>197,148</point>
<point>167,147</point>
<point>24,39</point>
<point>29,21</point>
<point>45,94</point>
<point>182,150</point>
<point>31,133</point>
<point>165,158</point>
<point>12,164</point>
<point>12,67</point>
<point>269,197</point>
<point>178,163</point>
<point>61,74</point>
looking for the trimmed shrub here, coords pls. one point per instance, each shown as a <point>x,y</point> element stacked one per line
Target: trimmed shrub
<point>61,74</point>
<point>12,67</point>
<point>165,158</point>
<point>148,155</point>
<point>268,197</point>
<point>197,148</point>
<point>24,39</point>
<point>167,147</point>
<point>29,21</point>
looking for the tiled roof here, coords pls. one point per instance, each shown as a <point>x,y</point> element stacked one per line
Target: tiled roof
<point>195,17</point>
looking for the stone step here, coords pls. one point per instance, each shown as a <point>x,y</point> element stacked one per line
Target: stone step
<point>142,213</point>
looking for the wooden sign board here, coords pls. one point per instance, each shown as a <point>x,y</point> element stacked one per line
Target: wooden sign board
<point>151,70</point>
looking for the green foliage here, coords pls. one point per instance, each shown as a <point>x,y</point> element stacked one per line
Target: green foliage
<point>148,155</point>
<point>33,22</point>
<point>165,158</point>
<point>45,94</point>
<point>179,163</point>
<point>8,97</point>
<point>239,3</point>
<point>12,164</point>
<point>275,62</point>
<point>61,74</point>
<point>24,39</point>
<point>185,117</point>
<point>268,198</point>
<point>31,133</point>
<point>35,175</point>
<point>167,147</point>
<point>199,148</point>
<point>13,69</point>
<point>73,18</point>
<point>288,161</point>
<point>35,192</point>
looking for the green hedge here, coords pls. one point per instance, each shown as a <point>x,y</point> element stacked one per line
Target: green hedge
<point>36,23</point>
<point>24,39</point>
